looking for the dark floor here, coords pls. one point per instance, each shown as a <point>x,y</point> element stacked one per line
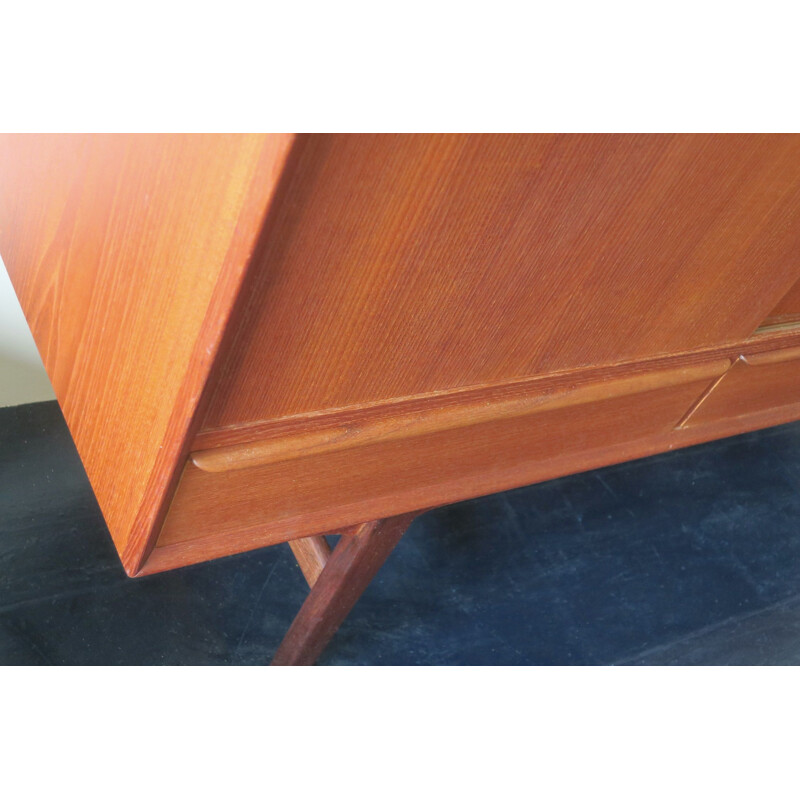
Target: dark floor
<point>690,557</point>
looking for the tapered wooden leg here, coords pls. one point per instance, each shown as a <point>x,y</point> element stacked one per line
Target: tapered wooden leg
<point>353,563</point>
<point>312,554</point>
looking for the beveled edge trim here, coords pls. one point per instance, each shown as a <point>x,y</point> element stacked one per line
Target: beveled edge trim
<point>772,357</point>
<point>370,427</point>
<point>278,427</point>
<point>207,352</point>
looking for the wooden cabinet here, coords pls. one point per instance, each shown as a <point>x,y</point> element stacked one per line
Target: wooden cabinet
<point>260,338</point>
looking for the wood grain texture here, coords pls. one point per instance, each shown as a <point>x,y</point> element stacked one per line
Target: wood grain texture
<point>354,562</point>
<point>763,382</point>
<point>312,554</point>
<point>786,314</point>
<point>127,253</point>
<point>340,328</point>
<point>302,496</point>
<point>789,305</point>
<point>165,557</point>
<point>414,264</point>
<point>449,402</point>
<point>329,433</point>
<point>294,498</point>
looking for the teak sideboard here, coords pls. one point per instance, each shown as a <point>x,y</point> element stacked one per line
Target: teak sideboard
<point>259,339</point>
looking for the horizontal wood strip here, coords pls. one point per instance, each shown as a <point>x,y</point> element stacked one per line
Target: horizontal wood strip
<point>769,381</point>
<point>773,357</point>
<point>441,419</point>
<point>170,556</point>
<point>337,488</point>
<point>247,433</point>
<point>778,324</point>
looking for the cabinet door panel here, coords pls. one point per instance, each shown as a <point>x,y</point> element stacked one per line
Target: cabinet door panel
<point>402,265</point>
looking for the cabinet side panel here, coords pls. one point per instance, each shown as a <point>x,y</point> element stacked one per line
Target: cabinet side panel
<point>117,246</point>
<point>404,265</point>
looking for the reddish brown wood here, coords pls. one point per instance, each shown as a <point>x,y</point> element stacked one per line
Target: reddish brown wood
<point>127,253</point>
<point>354,562</point>
<point>757,383</point>
<point>441,414</point>
<point>301,496</point>
<point>787,310</point>
<point>312,554</point>
<point>404,265</point>
<point>340,328</point>
<point>316,493</point>
<point>171,556</point>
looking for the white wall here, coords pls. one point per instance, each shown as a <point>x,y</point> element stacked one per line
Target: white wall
<point>22,376</point>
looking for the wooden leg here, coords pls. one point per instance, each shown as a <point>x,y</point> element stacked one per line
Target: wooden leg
<point>312,554</point>
<point>353,563</point>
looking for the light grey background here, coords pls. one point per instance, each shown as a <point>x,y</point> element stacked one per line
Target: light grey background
<point>22,375</point>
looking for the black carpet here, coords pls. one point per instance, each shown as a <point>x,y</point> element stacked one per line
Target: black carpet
<point>691,557</point>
